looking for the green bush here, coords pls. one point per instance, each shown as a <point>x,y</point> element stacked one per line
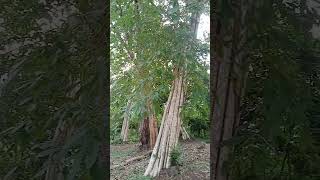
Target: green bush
<point>133,136</point>
<point>115,140</point>
<point>115,134</point>
<point>176,156</point>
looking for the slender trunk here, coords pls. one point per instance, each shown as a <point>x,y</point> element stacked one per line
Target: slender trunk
<point>184,133</point>
<point>228,78</point>
<point>125,128</point>
<point>153,130</point>
<point>125,124</point>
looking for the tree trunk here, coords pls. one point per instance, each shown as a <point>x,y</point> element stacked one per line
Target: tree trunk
<point>170,128</point>
<point>125,128</point>
<point>153,130</point>
<point>148,129</point>
<point>228,76</point>
<point>184,133</point>
<point>125,124</point>
<point>144,133</point>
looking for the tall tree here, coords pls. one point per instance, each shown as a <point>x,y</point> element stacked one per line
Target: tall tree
<point>125,123</point>
<point>131,37</point>
<point>171,119</point>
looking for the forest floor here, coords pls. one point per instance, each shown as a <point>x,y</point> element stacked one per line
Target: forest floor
<point>194,162</point>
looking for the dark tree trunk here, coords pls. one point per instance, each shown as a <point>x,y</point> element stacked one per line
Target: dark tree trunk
<point>144,134</point>
<point>153,130</point>
<point>228,76</point>
<point>148,132</point>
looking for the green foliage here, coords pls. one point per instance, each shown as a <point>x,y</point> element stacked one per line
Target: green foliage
<point>53,82</point>
<point>274,140</point>
<point>139,177</point>
<point>134,135</point>
<point>176,156</point>
<point>195,112</point>
<point>115,139</point>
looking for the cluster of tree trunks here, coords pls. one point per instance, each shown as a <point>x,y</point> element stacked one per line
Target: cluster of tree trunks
<point>148,130</point>
<point>170,127</point>
<point>228,76</point>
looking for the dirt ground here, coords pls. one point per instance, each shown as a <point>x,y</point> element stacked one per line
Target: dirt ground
<point>194,163</point>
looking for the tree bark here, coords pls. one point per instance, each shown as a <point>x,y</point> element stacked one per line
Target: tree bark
<point>144,133</point>
<point>184,133</point>
<point>228,76</point>
<point>125,124</point>
<point>125,129</point>
<point>170,128</point>
<point>153,130</point>
<point>148,129</point>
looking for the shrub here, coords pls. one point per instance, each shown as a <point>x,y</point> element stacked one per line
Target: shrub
<point>176,156</point>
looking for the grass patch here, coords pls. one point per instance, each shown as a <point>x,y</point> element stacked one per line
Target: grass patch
<point>117,154</point>
<point>139,177</point>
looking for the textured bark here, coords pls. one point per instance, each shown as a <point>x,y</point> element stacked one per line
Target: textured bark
<point>125,129</point>
<point>153,130</point>
<point>148,129</point>
<point>169,129</point>
<point>228,82</point>
<point>184,133</point>
<point>144,133</point>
